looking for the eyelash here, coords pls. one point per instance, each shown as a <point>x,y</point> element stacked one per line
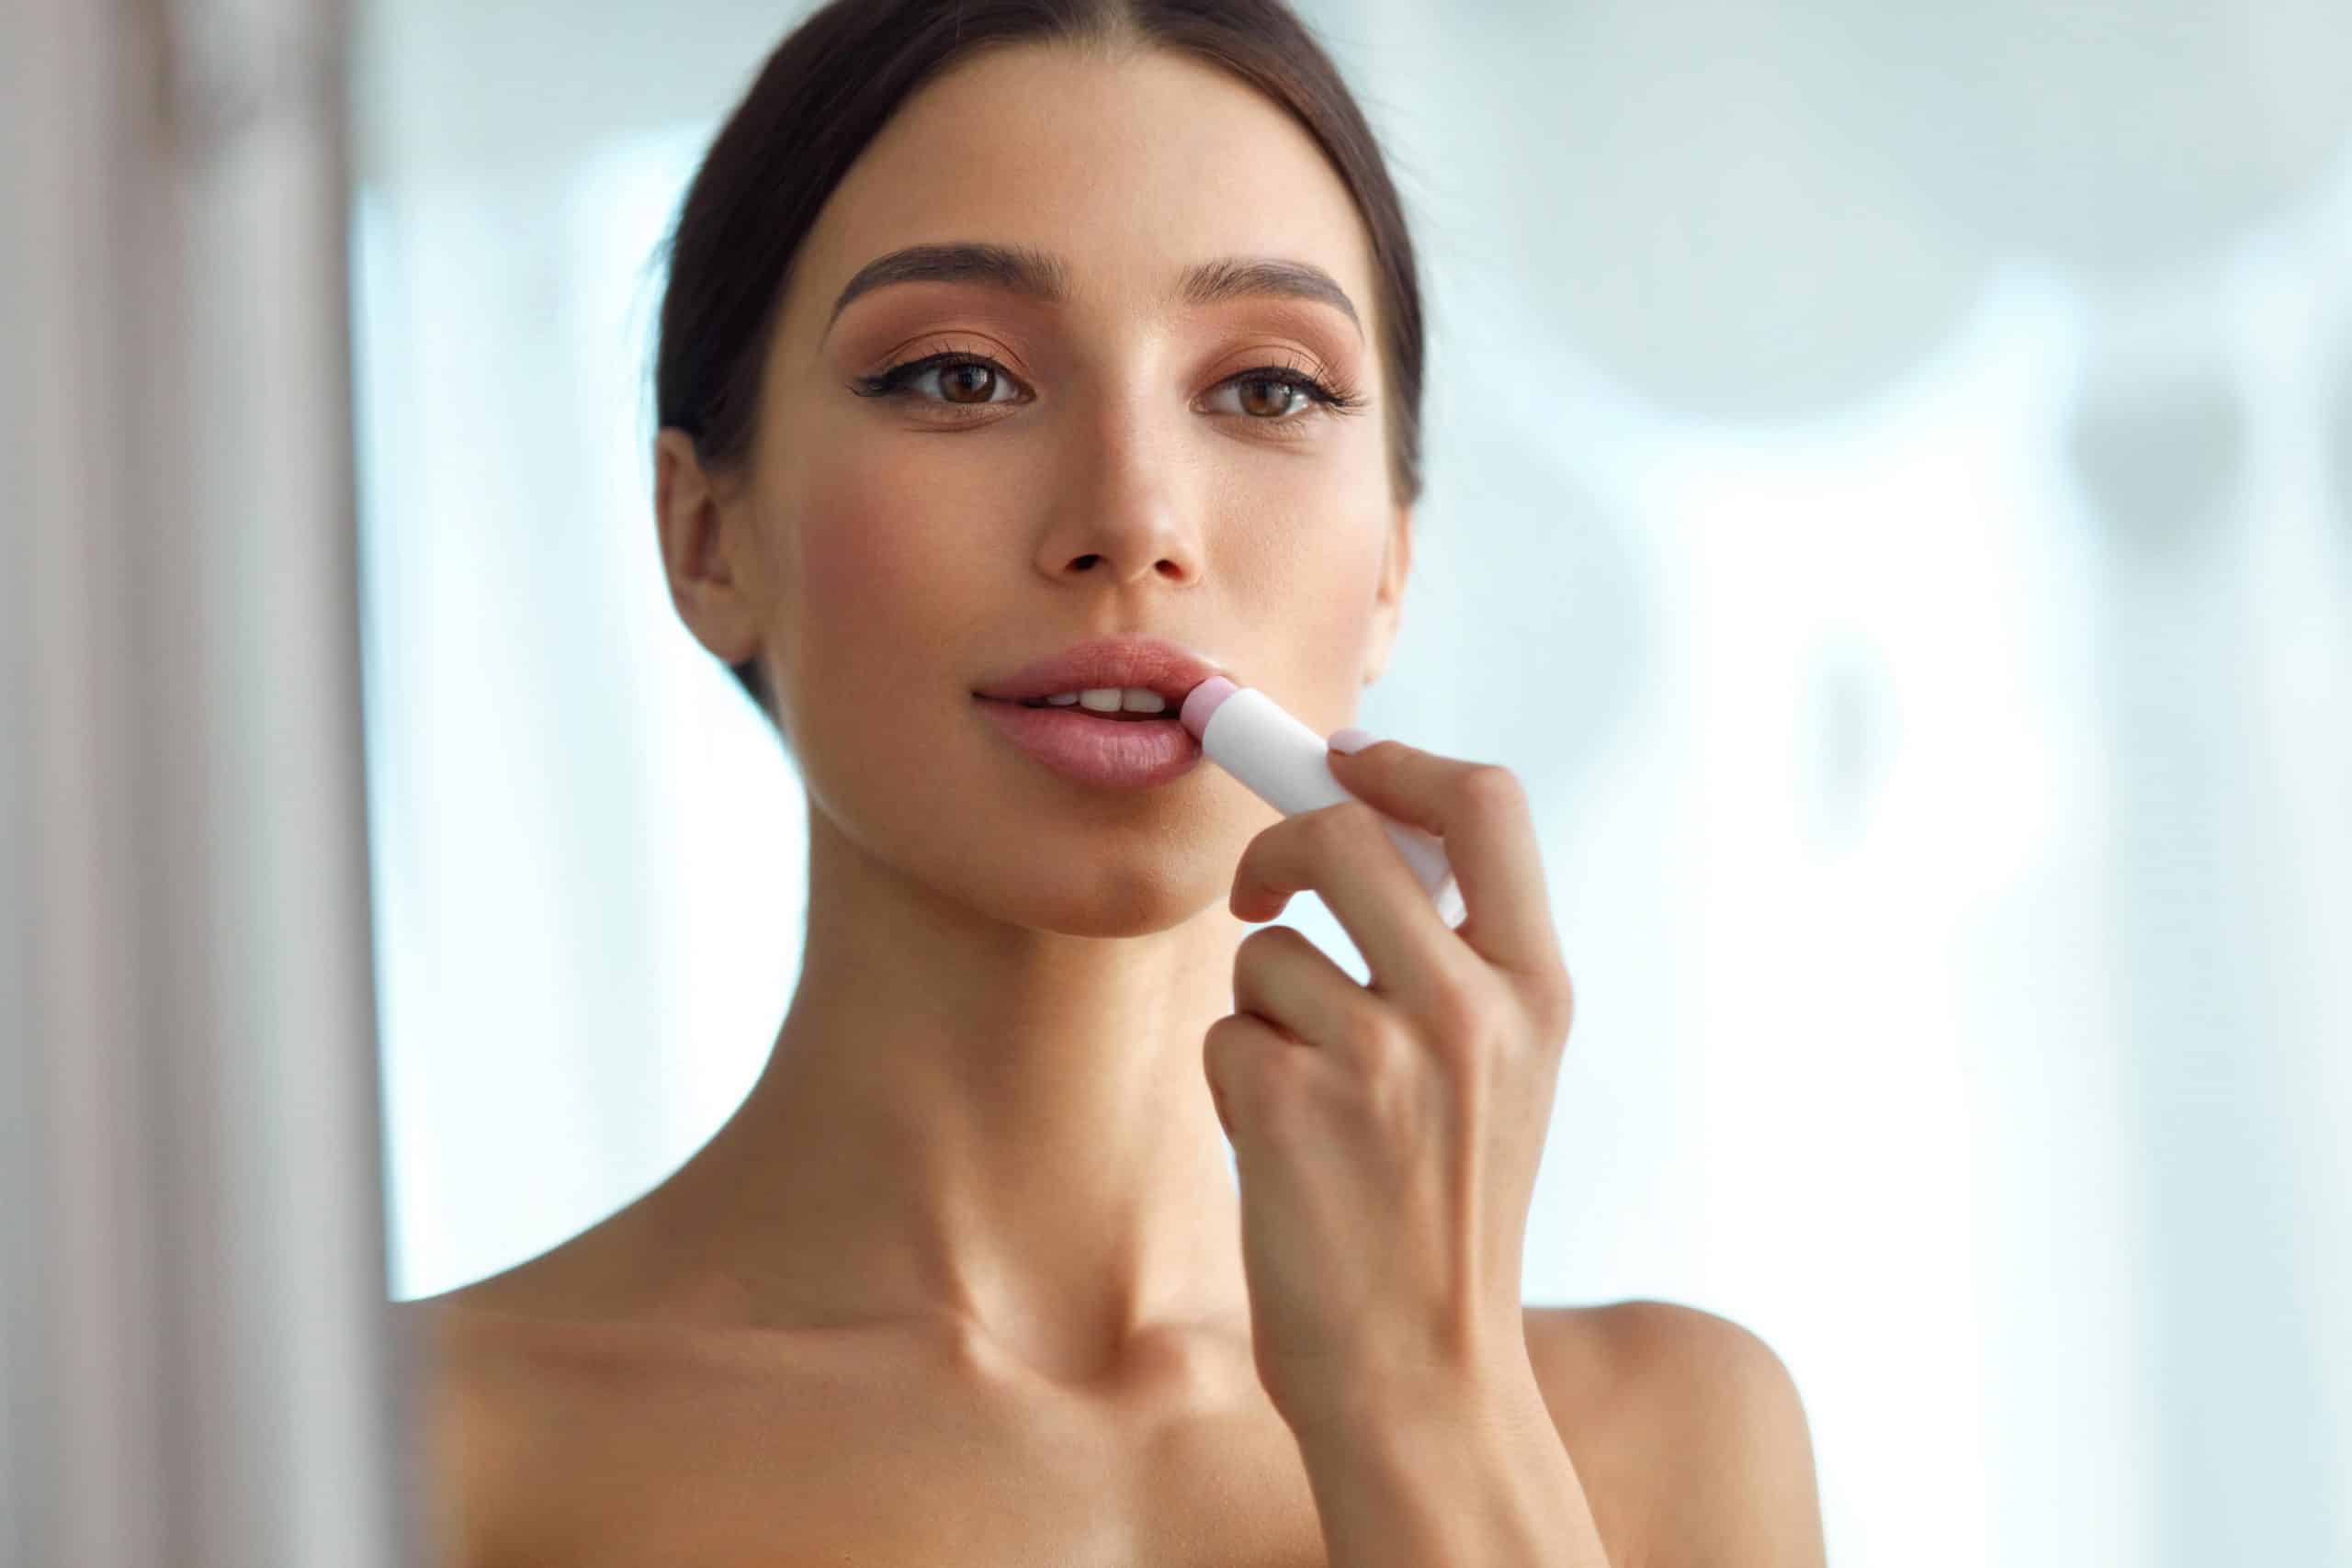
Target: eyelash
<point>1323,396</point>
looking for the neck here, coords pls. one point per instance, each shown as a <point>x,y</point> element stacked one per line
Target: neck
<point>997,1130</point>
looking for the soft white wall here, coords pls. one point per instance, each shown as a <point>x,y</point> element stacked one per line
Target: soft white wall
<point>1891,496</point>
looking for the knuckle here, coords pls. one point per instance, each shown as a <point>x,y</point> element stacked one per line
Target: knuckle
<point>1491,786</point>
<point>1220,1045</point>
<point>1395,1093</point>
<point>1279,1089</point>
<point>1217,1057</point>
<point>1464,1021</point>
<point>1267,944</point>
<point>1561,993</point>
<point>1234,1057</point>
<point>1367,1032</point>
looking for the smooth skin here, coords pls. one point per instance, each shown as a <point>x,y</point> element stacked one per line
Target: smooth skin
<point>964,1278</point>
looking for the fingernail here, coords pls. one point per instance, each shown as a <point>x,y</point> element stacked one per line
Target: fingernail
<point>1351,739</point>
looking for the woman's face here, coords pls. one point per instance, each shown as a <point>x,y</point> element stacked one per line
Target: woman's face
<point>910,546</point>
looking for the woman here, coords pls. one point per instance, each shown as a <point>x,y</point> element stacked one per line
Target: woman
<point>993,331</point>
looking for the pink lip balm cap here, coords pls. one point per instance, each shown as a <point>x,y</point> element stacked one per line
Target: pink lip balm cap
<point>1202,701</point>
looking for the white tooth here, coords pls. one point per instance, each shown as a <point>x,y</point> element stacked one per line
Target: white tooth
<point>1062,699</point>
<point>1101,699</point>
<point>1137,700</point>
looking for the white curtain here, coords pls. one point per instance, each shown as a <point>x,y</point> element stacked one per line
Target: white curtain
<point>1890,494</point>
<point>197,1366</point>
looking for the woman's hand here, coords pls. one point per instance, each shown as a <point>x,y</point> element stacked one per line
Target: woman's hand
<point>1386,1136</point>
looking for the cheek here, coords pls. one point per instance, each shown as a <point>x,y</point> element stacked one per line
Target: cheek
<point>873,572</point>
<point>1321,621</point>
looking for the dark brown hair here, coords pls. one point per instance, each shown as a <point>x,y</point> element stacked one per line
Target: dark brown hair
<point>836,80</point>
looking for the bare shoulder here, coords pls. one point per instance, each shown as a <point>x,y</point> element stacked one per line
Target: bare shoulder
<point>482,1427</point>
<point>1687,1431</point>
<point>536,1423</point>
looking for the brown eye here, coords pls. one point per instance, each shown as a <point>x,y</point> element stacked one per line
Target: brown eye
<point>966,383</point>
<point>1280,398</point>
<point>1264,398</point>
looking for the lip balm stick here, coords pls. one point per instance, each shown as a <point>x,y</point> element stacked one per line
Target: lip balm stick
<point>1281,761</point>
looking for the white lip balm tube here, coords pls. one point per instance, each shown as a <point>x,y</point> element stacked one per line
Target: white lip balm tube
<point>1281,761</point>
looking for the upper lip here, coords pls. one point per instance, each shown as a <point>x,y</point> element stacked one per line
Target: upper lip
<point>1153,663</point>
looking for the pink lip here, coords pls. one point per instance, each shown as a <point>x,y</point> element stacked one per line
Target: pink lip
<point>1153,663</point>
<point>1132,754</point>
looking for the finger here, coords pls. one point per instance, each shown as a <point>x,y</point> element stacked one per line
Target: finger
<point>1281,975</point>
<point>1342,853</point>
<point>1251,1067</point>
<point>1481,811</point>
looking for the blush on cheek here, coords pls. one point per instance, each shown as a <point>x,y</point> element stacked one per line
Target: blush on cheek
<point>844,555</point>
<point>874,575</point>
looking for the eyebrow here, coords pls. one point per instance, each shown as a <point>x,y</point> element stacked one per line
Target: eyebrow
<point>1042,276</point>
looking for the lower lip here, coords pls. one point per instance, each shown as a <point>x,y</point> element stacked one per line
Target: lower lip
<point>1126,753</point>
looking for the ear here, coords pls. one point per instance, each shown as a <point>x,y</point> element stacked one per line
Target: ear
<point>702,549</point>
<point>1388,602</point>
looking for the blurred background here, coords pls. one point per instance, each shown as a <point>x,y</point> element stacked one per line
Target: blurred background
<point>1890,496</point>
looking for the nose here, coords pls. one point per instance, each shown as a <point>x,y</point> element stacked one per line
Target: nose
<point>1122,517</point>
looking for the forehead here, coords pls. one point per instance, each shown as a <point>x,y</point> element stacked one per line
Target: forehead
<point>1132,171</point>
